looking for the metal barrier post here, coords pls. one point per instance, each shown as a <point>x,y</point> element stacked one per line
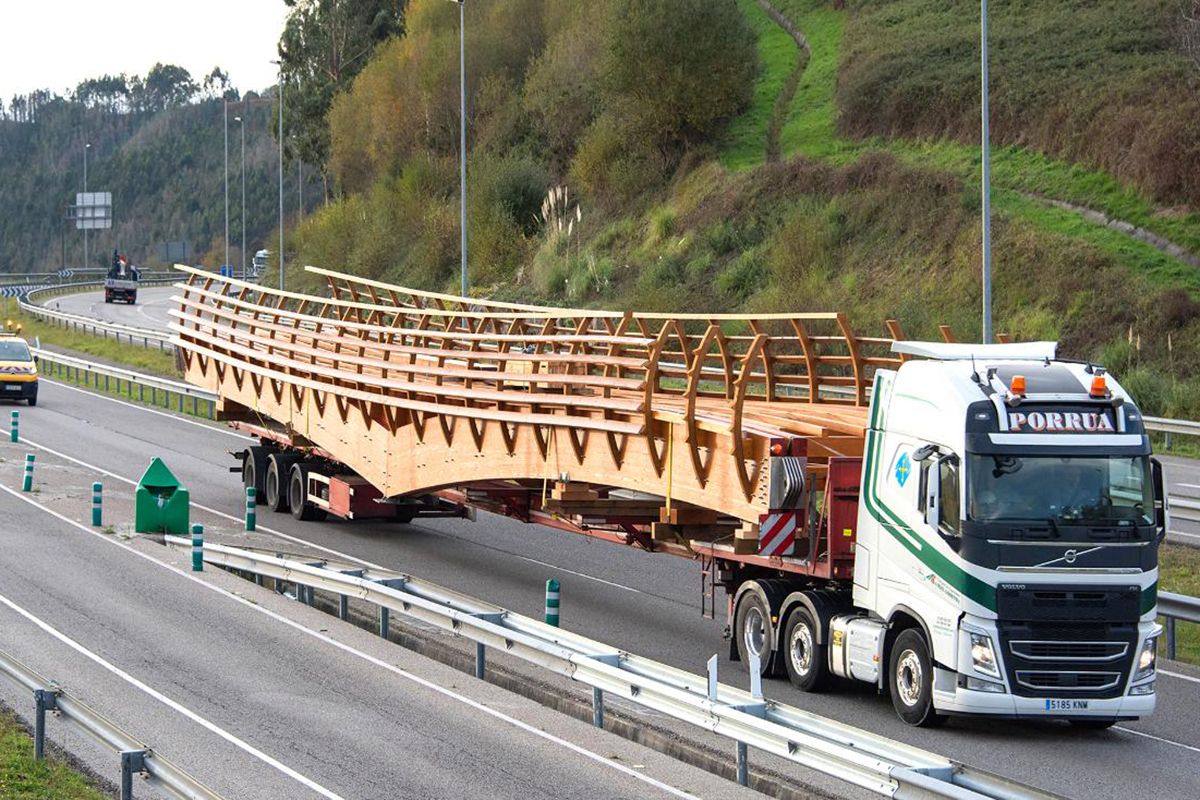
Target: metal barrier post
<point>27,484</point>
<point>43,700</point>
<point>1170,626</point>
<point>480,660</point>
<point>197,548</point>
<point>552,597</point>
<point>597,707</point>
<point>131,761</point>
<point>743,765</point>
<point>343,607</point>
<point>97,493</point>
<point>383,622</point>
<point>16,416</point>
<point>251,508</point>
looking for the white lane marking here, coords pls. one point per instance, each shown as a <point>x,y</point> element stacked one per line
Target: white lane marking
<point>341,646</point>
<point>111,399</point>
<point>172,704</point>
<point>210,510</point>
<point>1123,729</point>
<point>1179,675</point>
<point>463,540</point>
<point>1181,533</point>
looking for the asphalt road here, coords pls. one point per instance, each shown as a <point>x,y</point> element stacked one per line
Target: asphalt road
<point>150,311</point>
<point>644,603</point>
<point>259,708</point>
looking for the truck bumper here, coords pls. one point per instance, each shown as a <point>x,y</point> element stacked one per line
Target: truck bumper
<point>969,701</point>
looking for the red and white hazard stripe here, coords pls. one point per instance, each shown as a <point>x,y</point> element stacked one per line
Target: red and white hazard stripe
<point>777,534</point>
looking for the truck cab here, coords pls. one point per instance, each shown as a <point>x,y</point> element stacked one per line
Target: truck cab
<point>18,369</point>
<point>1007,543</point>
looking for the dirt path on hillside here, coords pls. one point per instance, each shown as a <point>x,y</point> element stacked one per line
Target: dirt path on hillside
<point>1163,245</point>
<point>784,101</point>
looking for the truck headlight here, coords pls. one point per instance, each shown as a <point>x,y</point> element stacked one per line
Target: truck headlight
<point>983,657</point>
<point>1147,659</point>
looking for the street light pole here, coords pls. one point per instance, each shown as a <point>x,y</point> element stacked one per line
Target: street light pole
<point>242,122</point>
<point>87,146</point>
<point>987,181</point>
<point>226,262</point>
<point>280,63</point>
<point>462,132</point>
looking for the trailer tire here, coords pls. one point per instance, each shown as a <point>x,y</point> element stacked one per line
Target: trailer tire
<point>753,632</point>
<point>910,680</point>
<point>807,662</point>
<point>254,470</point>
<point>301,508</point>
<point>279,466</point>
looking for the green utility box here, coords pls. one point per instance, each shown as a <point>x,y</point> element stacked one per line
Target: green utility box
<point>161,504</point>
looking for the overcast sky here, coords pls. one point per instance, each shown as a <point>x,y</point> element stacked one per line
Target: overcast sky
<point>54,44</point>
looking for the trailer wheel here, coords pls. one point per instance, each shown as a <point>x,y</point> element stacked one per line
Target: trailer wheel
<point>298,501</point>
<point>278,467</point>
<point>910,679</point>
<point>254,469</point>
<point>752,629</point>
<point>806,661</point>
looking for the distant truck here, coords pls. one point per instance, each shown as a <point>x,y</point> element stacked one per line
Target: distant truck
<point>260,262</point>
<point>121,283</point>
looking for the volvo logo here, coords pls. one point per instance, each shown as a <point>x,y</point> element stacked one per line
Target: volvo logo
<point>1070,556</point>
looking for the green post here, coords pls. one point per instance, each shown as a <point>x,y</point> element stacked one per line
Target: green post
<point>16,417</point>
<point>552,589</point>
<point>197,548</point>
<point>27,485</point>
<point>251,508</point>
<point>97,490</point>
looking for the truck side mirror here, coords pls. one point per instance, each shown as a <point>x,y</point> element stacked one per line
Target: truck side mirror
<point>933,494</point>
<point>1161,517</point>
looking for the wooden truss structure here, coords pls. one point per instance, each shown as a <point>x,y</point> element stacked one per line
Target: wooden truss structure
<point>663,416</point>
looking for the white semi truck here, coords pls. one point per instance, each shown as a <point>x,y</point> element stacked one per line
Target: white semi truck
<point>1005,562</point>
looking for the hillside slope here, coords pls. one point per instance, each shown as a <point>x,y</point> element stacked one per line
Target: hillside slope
<point>165,170</point>
<point>648,213</point>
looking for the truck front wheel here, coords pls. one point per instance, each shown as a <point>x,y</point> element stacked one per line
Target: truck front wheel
<point>806,661</point>
<point>752,627</point>
<point>910,679</point>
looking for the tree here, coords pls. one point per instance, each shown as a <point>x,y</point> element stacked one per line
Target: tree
<point>216,84</point>
<point>166,86</point>
<point>325,44</point>
<point>681,68</point>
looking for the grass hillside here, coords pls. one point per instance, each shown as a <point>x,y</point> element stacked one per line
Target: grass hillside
<point>799,155</point>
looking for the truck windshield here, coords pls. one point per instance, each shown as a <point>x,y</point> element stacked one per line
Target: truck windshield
<point>1093,490</point>
<point>14,351</point>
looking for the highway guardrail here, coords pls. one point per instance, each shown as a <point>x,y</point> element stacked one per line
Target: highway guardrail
<point>105,377</point>
<point>135,756</point>
<point>31,303</point>
<point>867,760</point>
<point>1177,607</point>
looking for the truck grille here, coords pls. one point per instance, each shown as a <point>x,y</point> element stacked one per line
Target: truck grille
<point>1068,642</point>
<point>1033,650</point>
<point>1072,681</point>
